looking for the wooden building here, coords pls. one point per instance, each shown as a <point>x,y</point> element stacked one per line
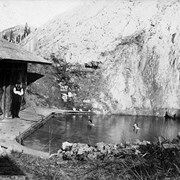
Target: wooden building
<point>13,68</point>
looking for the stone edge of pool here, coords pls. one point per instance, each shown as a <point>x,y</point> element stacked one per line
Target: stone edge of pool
<point>35,126</point>
<point>18,141</point>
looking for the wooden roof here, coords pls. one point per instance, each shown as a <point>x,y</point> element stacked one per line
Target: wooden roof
<point>14,52</point>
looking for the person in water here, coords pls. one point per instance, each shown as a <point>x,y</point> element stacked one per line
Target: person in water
<point>166,116</point>
<point>135,127</point>
<point>90,123</point>
<point>16,100</point>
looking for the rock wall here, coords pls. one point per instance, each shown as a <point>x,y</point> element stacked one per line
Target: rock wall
<point>103,151</point>
<point>138,43</point>
<point>142,70</point>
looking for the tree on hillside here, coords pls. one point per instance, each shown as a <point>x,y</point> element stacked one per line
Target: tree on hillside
<point>18,39</point>
<point>26,30</point>
<point>11,36</point>
<point>64,78</point>
<point>5,37</point>
<point>61,69</point>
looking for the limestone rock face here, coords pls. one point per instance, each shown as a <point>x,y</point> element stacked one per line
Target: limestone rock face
<point>138,44</point>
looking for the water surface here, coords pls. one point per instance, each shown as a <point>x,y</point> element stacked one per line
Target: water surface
<point>109,129</point>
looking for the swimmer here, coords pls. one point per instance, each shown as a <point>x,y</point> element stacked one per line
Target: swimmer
<point>135,126</point>
<point>90,123</point>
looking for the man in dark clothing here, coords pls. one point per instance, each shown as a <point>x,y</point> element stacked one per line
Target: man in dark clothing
<point>16,100</point>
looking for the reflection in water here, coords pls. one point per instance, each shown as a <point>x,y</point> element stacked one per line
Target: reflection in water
<point>109,129</point>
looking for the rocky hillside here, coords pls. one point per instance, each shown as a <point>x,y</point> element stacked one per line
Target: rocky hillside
<point>138,44</point>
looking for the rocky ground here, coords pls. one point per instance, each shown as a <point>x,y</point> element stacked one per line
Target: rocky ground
<point>141,161</point>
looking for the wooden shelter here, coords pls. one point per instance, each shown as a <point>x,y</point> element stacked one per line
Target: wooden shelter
<point>13,69</point>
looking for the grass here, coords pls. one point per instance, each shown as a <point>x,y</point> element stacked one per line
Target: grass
<point>152,162</point>
<point>9,167</point>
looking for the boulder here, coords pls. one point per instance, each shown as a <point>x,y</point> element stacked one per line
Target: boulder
<point>3,152</point>
<point>67,155</point>
<point>66,146</point>
<point>100,146</point>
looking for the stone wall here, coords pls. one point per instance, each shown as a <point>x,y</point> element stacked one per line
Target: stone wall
<point>102,151</point>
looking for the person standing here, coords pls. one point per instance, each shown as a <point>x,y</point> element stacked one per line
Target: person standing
<point>16,100</point>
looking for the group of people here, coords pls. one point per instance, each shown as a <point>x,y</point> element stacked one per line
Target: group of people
<point>167,116</point>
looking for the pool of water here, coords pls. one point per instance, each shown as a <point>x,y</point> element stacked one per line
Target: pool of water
<point>109,129</point>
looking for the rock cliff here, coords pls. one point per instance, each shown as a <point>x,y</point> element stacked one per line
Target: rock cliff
<point>137,43</point>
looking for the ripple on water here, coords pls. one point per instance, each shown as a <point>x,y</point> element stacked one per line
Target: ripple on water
<point>109,129</point>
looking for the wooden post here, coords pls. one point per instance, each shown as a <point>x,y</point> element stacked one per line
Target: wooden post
<point>8,100</point>
<point>25,75</point>
<point>24,82</point>
<point>4,95</point>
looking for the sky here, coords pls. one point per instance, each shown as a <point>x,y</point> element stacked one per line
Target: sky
<point>34,12</point>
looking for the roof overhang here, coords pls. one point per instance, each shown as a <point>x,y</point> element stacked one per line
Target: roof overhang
<point>13,52</point>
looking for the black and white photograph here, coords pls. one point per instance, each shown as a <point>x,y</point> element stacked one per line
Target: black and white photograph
<point>90,89</point>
